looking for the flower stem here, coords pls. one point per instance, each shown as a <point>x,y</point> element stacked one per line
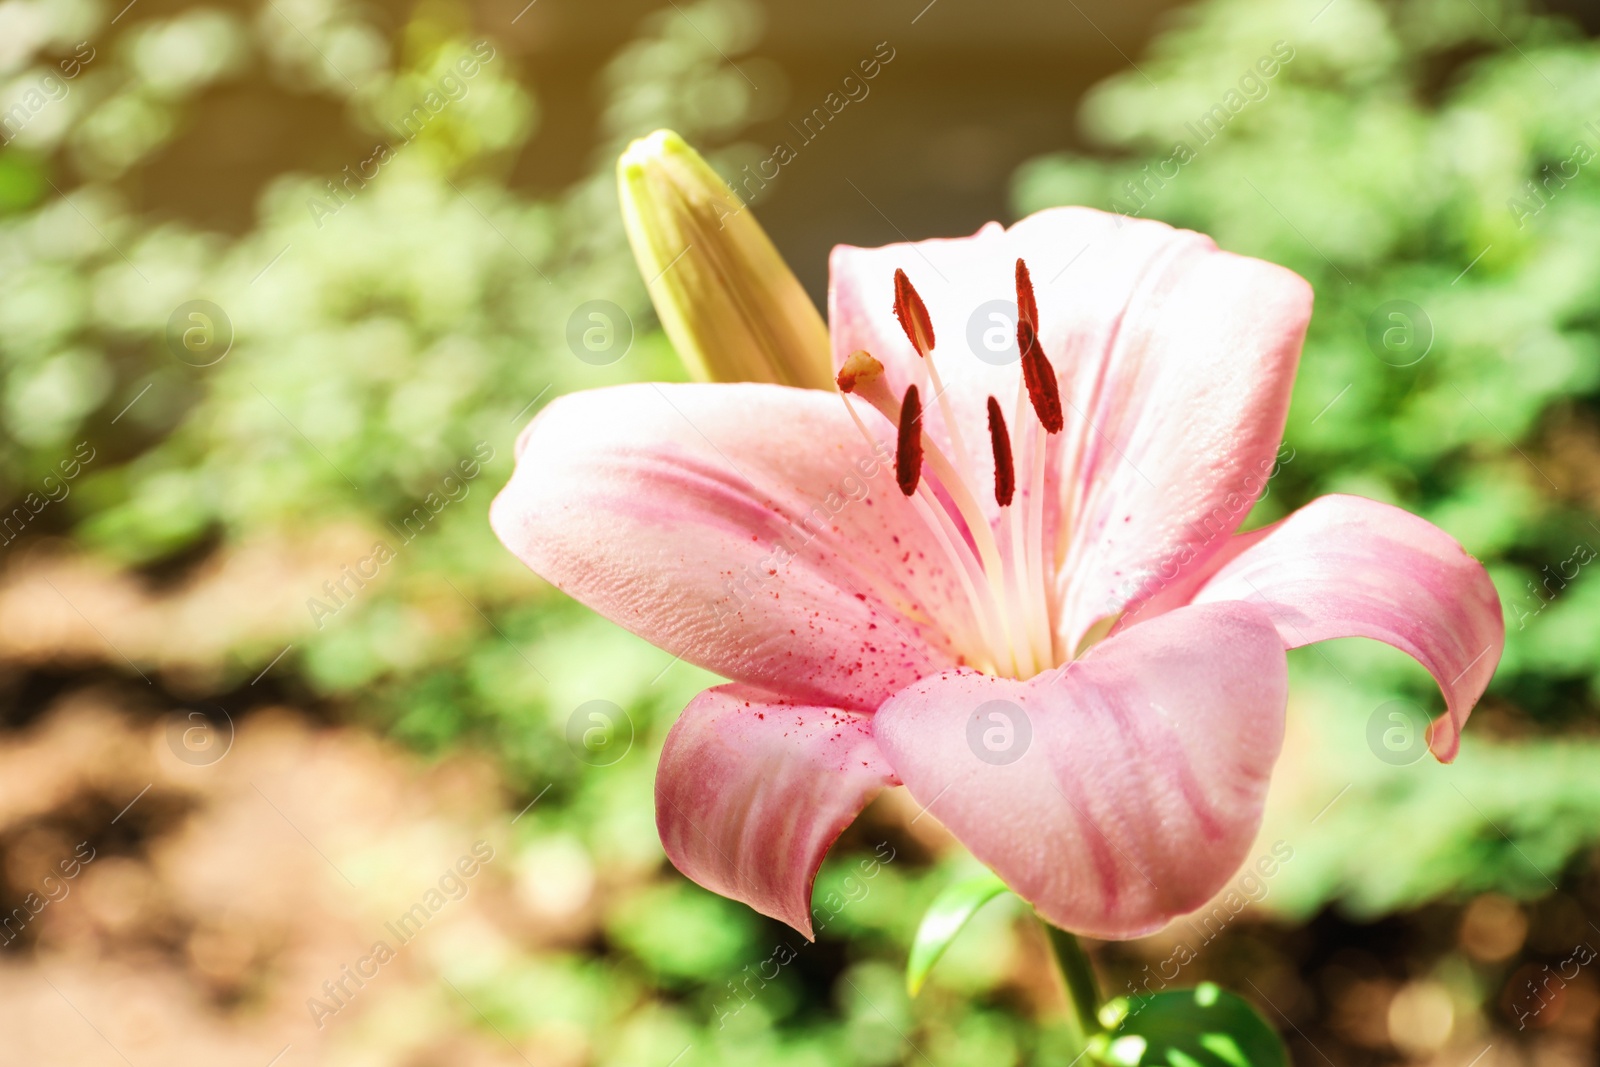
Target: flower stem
<point>1083,992</point>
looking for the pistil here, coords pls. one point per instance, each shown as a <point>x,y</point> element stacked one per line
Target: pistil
<point>862,375</point>
<point>1010,592</point>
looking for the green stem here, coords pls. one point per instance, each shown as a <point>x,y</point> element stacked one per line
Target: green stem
<point>1083,992</point>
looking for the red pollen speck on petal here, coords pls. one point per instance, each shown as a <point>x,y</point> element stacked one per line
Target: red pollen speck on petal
<point>908,451</point>
<point>1040,377</point>
<point>1005,476</point>
<point>912,313</point>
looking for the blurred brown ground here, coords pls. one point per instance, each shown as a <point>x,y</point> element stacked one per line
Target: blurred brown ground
<point>222,895</point>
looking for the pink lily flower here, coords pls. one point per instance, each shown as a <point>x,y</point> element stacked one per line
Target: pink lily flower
<point>1014,589</point>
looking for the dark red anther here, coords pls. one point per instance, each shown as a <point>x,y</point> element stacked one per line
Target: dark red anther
<point>1040,378</point>
<point>1005,475</point>
<point>912,313</point>
<point>1027,306</point>
<point>908,450</point>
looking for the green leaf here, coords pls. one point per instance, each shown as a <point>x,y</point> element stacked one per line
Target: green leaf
<point>946,916</point>
<point>1200,1027</point>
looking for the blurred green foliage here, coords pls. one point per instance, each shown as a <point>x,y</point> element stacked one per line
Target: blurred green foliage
<point>384,328</point>
<point>377,346</point>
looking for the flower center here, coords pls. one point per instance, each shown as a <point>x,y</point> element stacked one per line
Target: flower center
<point>1006,625</point>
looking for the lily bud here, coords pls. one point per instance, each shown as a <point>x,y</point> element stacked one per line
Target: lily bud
<point>728,301</point>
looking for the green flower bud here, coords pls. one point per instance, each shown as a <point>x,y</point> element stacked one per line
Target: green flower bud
<point>729,303</point>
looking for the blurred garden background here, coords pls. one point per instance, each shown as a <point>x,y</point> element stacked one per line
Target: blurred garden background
<point>279,284</point>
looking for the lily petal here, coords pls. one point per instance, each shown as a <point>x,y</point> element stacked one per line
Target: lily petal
<point>1344,566</point>
<point>1175,362</point>
<point>746,528</point>
<point>752,791</point>
<point>1131,784</point>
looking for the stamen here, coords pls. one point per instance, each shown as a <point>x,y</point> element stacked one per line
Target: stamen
<point>913,314</point>
<point>1040,377</point>
<point>1040,606</point>
<point>1010,616</point>
<point>1043,391</point>
<point>1023,650</point>
<point>978,643</point>
<point>872,386</point>
<point>1027,306</point>
<point>985,614</point>
<point>1005,475</point>
<point>908,450</point>
<point>859,368</point>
